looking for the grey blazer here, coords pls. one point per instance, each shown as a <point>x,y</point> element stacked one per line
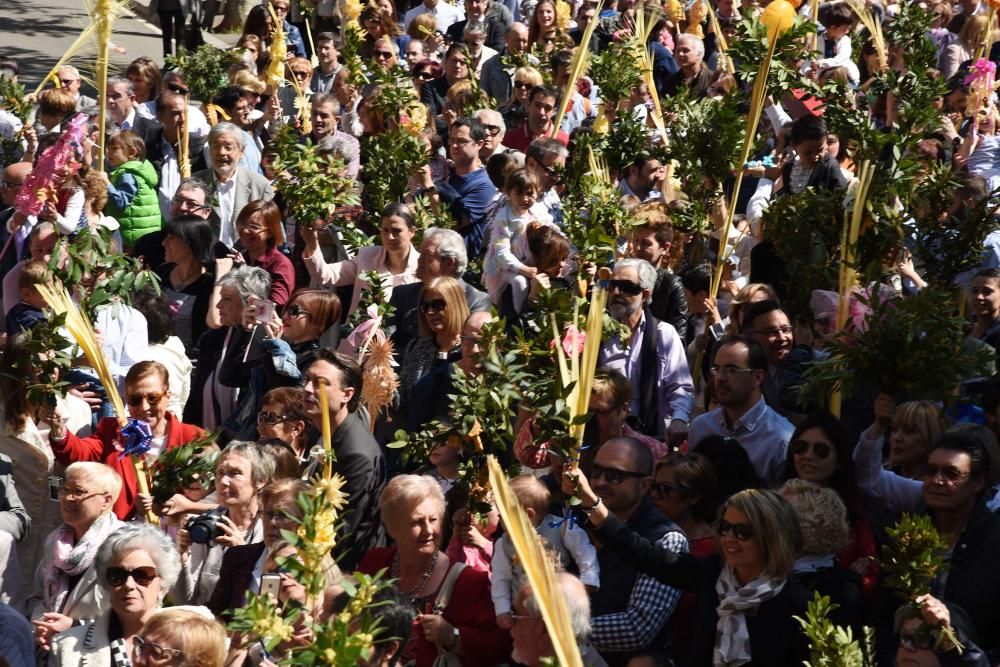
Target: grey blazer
<point>249,187</point>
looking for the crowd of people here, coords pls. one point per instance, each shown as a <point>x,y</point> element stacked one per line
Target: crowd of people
<point>714,495</point>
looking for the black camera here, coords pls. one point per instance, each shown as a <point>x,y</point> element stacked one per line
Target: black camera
<point>205,527</point>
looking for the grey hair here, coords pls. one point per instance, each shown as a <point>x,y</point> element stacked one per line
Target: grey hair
<point>451,245</point>
<point>339,147</point>
<point>129,88</point>
<point>546,147</point>
<point>261,463</point>
<point>645,271</point>
<point>577,604</point>
<point>697,46</point>
<point>226,127</point>
<point>192,183</point>
<point>404,492</point>
<point>496,115</point>
<point>474,27</point>
<point>135,537</point>
<point>248,281</point>
<point>72,70</point>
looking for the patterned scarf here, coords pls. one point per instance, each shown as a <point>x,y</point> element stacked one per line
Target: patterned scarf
<point>71,560</point>
<point>732,638</point>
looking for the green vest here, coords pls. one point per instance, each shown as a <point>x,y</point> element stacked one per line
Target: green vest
<point>143,215</point>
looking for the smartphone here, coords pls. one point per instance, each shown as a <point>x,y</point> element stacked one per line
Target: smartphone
<point>265,310</point>
<point>270,584</point>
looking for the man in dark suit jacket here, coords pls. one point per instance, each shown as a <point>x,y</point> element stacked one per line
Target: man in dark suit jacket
<point>359,459</point>
<point>442,253</point>
<point>162,142</point>
<point>496,17</point>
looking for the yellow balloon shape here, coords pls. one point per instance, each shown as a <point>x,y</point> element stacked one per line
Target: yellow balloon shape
<point>778,16</point>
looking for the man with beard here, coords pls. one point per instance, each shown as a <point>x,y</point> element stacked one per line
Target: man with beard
<point>737,376</point>
<point>653,359</point>
<point>770,326</point>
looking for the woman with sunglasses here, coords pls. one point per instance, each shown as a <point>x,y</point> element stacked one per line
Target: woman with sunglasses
<point>918,629</point>
<point>443,311</point>
<point>515,109</point>
<point>818,453</point>
<point>180,638</point>
<point>395,260</point>
<point>283,417</point>
<point>147,395</point>
<point>136,565</point>
<point>747,595</point>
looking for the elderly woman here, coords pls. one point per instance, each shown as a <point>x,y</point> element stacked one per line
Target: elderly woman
<point>240,473</point>
<point>747,594</point>
<point>413,512</point>
<point>915,426</point>
<point>227,354</point>
<point>147,395</point>
<point>230,186</point>
<point>823,522</point>
<point>181,638</point>
<point>66,580</point>
<point>243,566</point>
<point>395,260</point>
<point>443,311</point>
<point>136,566</point>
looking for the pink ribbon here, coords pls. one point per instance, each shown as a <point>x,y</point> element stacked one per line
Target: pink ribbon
<point>982,70</point>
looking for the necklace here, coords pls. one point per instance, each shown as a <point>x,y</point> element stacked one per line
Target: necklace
<point>184,280</point>
<point>417,592</point>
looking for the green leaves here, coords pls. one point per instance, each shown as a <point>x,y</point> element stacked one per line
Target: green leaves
<point>616,70</point>
<point>913,557</point>
<point>832,645</point>
<point>206,70</point>
<point>182,466</point>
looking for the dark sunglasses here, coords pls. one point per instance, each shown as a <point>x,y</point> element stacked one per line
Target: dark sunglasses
<point>383,54</point>
<point>433,306</point>
<point>424,76</point>
<point>494,130</point>
<point>613,475</point>
<point>741,531</point>
<point>800,447</point>
<point>301,73</point>
<point>270,418</point>
<point>521,85</point>
<point>916,640</point>
<point>296,311</point>
<point>626,287</point>
<point>117,576</point>
<point>661,489</point>
<point>180,90</point>
<point>153,398</point>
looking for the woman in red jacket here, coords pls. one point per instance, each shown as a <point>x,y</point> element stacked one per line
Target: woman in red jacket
<point>147,394</point>
<point>413,510</point>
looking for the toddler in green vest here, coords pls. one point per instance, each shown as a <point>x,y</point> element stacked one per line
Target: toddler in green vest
<point>132,198</point>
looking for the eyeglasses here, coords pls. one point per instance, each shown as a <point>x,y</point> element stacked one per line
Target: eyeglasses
<point>270,418</point>
<point>522,85</point>
<point>153,398</point>
<point>117,576</point>
<point>726,371</point>
<point>143,648</point>
<point>280,9</point>
<point>296,311</point>
<point>189,204</point>
<point>916,640</point>
<point>494,130</point>
<point>626,287</point>
<point>771,333</point>
<point>433,306</point>
<point>280,516</point>
<point>741,531</point>
<point>661,489</point>
<point>949,475</point>
<point>8,184</point>
<point>553,173</point>
<point>77,494</point>
<point>800,447</point>
<point>613,475</point>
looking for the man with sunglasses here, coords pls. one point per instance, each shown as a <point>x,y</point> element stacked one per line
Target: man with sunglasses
<point>630,610</point>
<point>495,131</point>
<point>70,79</point>
<point>653,359</point>
<point>737,375</point>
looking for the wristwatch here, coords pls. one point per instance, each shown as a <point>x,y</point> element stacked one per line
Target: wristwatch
<point>455,638</point>
<point>589,510</point>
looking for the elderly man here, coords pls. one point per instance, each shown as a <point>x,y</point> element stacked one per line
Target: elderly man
<point>653,358</point>
<point>497,78</point>
<point>474,36</point>
<point>190,200</point>
<point>10,184</point>
<point>442,253</point>
<point>69,78</point>
<point>124,111</point>
<point>532,642</point>
<point>495,16</point>
<point>161,147</point>
<point>541,116</point>
<point>694,74</point>
<point>230,187</point>
<point>40,245</point>
<point>445,13</point>
<point>495,130</point>
<point>546,159</point>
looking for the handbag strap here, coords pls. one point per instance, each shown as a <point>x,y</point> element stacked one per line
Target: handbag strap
<point>444,593</point>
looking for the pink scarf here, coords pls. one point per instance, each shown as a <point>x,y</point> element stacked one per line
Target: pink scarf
<point>71,560</point>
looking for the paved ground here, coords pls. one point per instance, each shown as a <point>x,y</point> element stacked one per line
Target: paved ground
<point>37,32</point>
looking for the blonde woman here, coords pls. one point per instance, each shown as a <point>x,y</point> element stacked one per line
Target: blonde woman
<point>181,637</point>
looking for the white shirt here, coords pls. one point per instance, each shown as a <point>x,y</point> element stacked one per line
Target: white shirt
<point>197,122</point>
<point>226,192</point>
<point>129,120</point>
<point>170,178</point>
<point>445,13</point>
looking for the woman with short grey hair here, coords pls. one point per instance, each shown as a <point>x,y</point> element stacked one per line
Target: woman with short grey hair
<point>136,566</point>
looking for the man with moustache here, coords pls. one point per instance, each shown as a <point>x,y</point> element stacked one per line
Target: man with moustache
<point>653,359</point>
<point>359,459</point>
